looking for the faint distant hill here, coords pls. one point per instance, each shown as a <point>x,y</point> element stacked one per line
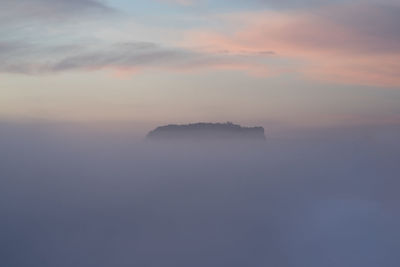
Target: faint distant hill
<point>207,131</point>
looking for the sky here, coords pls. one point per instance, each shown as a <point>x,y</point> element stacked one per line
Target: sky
<point>304,63</point>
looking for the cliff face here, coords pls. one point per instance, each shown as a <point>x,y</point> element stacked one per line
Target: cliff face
<point>207,131</point>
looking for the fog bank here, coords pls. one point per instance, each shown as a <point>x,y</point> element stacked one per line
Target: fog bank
<point>303,198</point>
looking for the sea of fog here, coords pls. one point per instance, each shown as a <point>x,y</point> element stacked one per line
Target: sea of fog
<point>306,198</point>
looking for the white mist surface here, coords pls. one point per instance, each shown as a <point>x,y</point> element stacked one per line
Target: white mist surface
<point>308,198</point>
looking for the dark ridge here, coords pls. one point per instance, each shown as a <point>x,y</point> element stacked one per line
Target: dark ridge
<point>207,131</point>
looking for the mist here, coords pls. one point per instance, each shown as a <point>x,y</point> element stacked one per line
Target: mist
<point>304,198</point>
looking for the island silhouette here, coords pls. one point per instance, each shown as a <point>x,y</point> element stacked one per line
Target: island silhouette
<point>204,130</point>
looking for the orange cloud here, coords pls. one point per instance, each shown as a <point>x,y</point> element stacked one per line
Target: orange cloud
<point>339,49</point>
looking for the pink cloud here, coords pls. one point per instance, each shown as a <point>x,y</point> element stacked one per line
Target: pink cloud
<point>342,49</point>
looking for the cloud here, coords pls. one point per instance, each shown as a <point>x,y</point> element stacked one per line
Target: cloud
<point>24,10</point>
<point>180,2</point>
<point>31,43</point>
<point>290,4</point>
<point>346,43</point>
<point>125,58</point>
<point>270,4</point>
<point>352,44</point>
